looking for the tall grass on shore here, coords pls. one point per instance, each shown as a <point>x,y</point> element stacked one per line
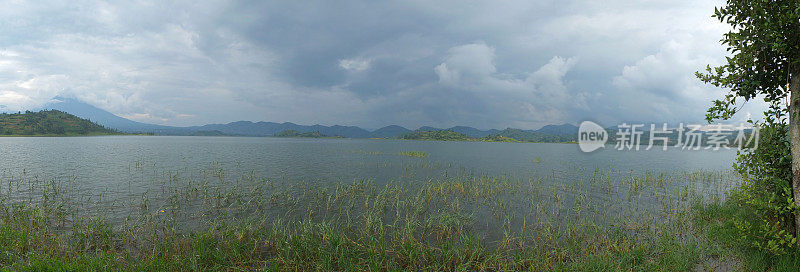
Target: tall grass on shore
<point>583,220</point>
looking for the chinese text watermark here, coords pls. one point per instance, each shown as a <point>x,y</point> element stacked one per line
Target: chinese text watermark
<point>592,136</point>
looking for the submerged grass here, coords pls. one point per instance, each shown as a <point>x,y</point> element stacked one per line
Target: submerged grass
<point>413,154</point>
<point>591,220</point>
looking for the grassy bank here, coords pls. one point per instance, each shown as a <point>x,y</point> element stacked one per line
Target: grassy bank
<point>592,219</point>
<point>720,221</point>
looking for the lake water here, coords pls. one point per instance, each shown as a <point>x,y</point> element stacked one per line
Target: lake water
<point>108,160</point>
<point>121,168</point>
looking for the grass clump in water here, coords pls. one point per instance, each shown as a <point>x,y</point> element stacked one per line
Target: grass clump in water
<point>225,221</point>
<point>413,154</point>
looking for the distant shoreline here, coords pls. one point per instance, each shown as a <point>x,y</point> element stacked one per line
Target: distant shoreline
<point>72,135</point>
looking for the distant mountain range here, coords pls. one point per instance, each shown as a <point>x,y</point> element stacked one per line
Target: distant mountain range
<point>108,119</point>
<point>565,129</point>
<point>247,128</point>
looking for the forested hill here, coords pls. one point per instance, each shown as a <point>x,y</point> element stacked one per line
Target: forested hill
<point>48,122</point>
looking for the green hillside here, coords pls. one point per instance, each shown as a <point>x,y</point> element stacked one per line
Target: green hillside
<point>48,123</point>
<point>528,136</point>
<point>439,135</point>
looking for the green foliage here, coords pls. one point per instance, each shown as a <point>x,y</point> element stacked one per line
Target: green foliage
<point>248,223</point>
<point>440,135</point>
<point>289,133</point>
<point>765,197</point>
<point>527,136</point>
<point>49,122</point>
<point>765,44</point>
<point>722,222</point>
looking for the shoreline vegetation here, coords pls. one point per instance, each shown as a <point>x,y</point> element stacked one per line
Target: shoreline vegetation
<point>421,135</point>
<point>295,134</point>
<point>449,135</point>
<point>592,219</point>
<point>55,123</point>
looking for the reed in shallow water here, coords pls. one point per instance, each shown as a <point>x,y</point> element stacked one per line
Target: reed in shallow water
<point>596,219</point>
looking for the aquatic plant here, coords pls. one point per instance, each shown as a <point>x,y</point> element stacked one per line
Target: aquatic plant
<point>220,219</point>
<point>413,154</point>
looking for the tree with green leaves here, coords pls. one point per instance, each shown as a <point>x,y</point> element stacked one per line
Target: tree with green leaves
<point>764,63</point>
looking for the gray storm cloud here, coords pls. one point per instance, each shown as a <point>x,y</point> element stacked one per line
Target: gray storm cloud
<point>484,64</point>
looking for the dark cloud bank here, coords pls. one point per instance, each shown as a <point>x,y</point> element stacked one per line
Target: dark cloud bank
<point>368,63</point>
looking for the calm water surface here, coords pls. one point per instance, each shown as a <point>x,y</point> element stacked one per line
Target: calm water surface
<point>102,161</point>
<point>102,173</point>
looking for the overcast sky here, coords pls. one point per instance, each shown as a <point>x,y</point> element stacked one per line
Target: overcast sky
<point>491,64</point>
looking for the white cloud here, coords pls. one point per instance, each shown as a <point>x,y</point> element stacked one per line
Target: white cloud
<point>469,61</point>
<point>357,64</point>
<point>665,85</point>
<point>12,101</point>
<point>530,99</point>
<point>549,80</point>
